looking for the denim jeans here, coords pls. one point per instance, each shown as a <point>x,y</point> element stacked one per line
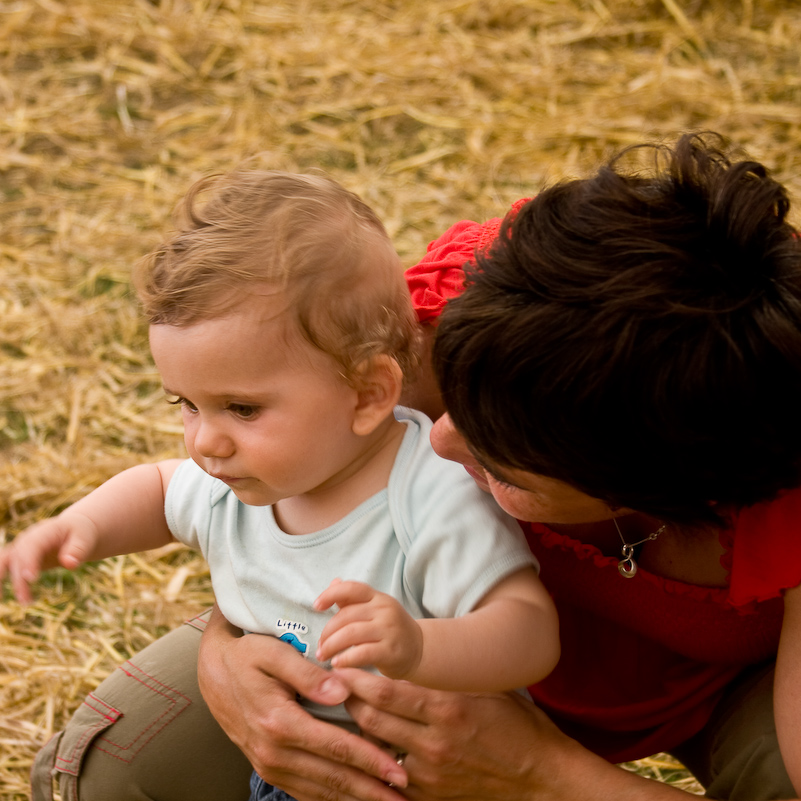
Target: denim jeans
<point>261,791</point>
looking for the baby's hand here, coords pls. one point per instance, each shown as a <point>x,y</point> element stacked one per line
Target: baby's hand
<point>66,540</point>
<point>370,628</point>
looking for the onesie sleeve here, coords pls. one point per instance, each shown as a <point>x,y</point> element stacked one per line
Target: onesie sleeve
<point>439,275</point>
<point>188,504</point>
<point>765,549</point>
<point>458,542</point>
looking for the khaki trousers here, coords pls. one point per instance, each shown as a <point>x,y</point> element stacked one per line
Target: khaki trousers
<point>145,734</point>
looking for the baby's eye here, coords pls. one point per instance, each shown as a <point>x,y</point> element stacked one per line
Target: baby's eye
<point>243,410</point>
<point>186,404</point>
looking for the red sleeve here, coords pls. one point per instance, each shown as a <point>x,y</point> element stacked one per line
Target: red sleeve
<point>766,549</point>
<point>440,274</point>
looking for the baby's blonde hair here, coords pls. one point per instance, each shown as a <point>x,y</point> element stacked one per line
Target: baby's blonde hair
<point>320,245</point>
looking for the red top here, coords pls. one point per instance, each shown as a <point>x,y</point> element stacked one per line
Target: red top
<point>644,660</point>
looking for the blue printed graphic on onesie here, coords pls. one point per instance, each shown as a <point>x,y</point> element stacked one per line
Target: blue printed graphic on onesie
<point>291,629</point>
<point>294,642</point>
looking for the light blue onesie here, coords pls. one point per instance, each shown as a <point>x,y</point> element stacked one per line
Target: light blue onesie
<point>431,539</point>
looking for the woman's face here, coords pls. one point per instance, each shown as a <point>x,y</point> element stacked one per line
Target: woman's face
<point>524,495</point>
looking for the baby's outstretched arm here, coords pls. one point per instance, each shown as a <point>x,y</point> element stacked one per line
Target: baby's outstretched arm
<point>510,639</point>
<point>123,515</point>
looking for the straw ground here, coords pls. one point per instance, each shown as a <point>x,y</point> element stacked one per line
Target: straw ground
<point>432,110</point>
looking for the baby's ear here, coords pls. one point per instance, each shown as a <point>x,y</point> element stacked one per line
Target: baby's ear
<point>378,382</point>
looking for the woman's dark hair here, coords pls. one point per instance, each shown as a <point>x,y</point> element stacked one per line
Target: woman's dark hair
<point>638,336</point>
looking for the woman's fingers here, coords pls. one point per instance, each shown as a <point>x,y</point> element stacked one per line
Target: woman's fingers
<point>297,748</point>
<point>465,747</point>
<point>313,779</point>
<point>395,712</point>
<point>280,661</point>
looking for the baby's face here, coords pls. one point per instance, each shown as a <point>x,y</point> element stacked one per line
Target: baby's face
<point>263,410</point>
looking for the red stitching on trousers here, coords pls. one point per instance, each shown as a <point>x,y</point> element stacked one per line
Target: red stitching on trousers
<point>152,678</point>
<point>111,718</point>
<point>78,748</point>
<point>198,622</point>
<point>169,713</point>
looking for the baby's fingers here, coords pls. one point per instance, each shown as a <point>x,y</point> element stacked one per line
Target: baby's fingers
<point>21,585</point>
<point>43,546</point>
<point>77,547</point>
<point>5,559</point>
<point>18,575</point>
<point>345,638</point>
<point>343,593</point>
<point>21,563</point>
<point>346,617</point>
<point>372,653</point>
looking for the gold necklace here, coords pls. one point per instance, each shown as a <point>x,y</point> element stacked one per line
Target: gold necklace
<point>627,566</point>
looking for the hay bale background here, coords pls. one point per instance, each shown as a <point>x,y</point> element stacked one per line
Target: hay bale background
<point>430,109</point>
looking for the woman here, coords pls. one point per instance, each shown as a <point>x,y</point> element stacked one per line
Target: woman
<point>622,372</point>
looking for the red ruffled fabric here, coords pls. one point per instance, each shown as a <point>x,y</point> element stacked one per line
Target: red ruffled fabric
<point>439,276</point>
<point>644,660</point>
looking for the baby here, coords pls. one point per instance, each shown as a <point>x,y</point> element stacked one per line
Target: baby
<point>281,324</point>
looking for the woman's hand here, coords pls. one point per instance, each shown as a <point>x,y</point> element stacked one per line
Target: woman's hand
<point>250,684</point>
<point>494,747</point>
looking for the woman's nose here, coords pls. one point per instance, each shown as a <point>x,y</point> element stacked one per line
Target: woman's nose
<point>448,442</point>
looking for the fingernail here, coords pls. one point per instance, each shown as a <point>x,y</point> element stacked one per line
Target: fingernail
<point>334,690</point>
<point>396,777</point>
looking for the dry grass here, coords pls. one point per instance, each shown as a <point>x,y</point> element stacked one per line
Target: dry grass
<point>431,109</point>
